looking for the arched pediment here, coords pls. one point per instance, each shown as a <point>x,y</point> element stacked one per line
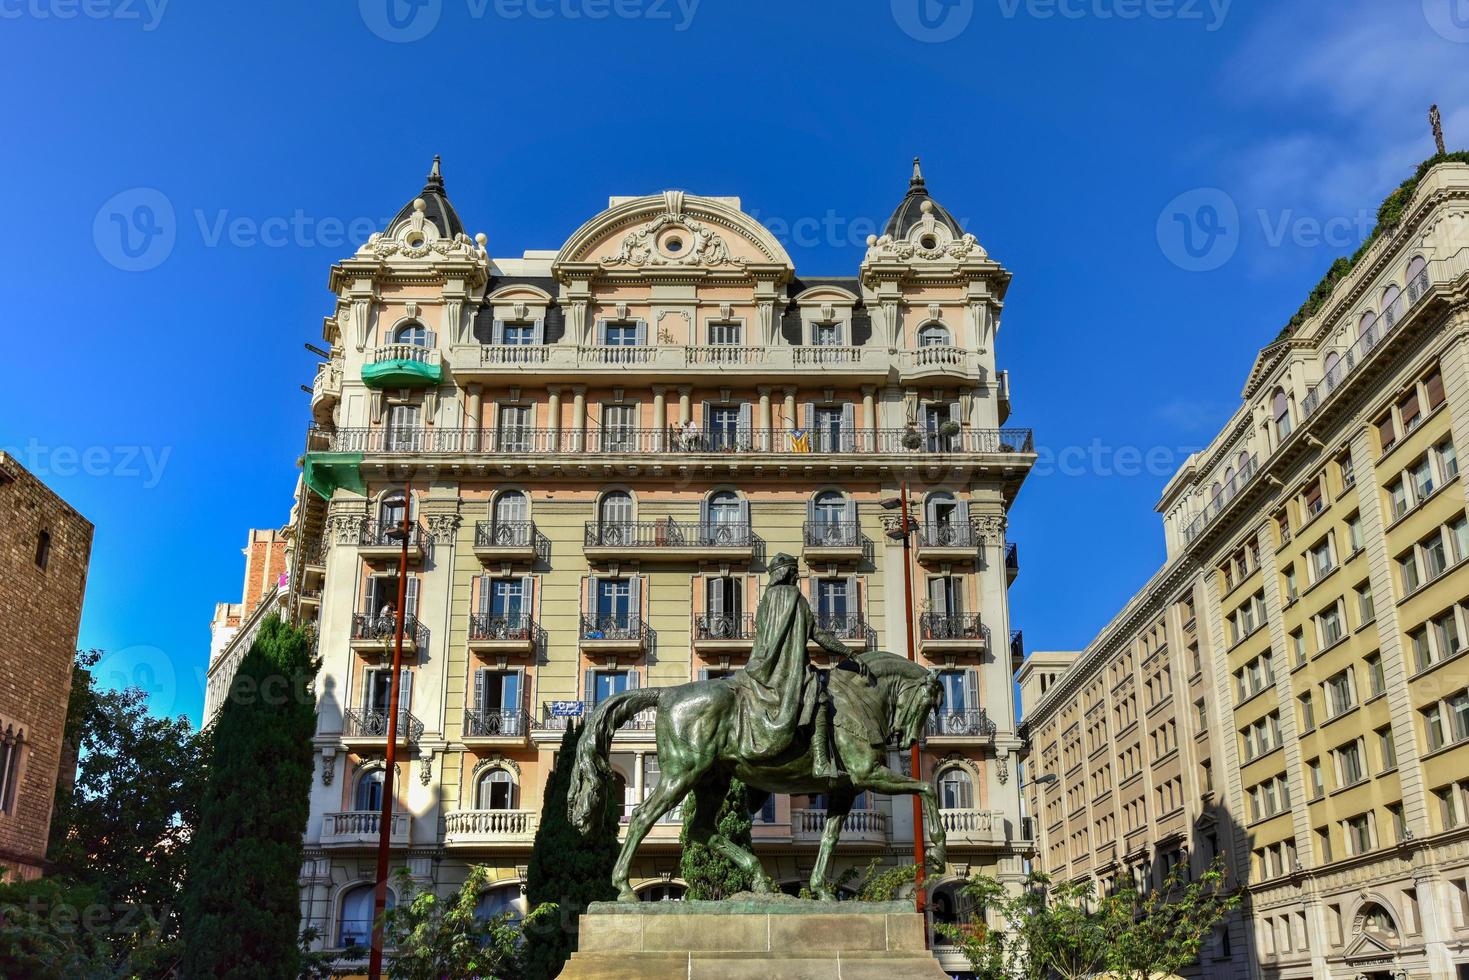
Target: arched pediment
<point>673,230</point>
<point>524,291</point>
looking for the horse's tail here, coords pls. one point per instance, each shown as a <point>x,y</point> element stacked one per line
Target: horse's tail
<point>591,775</point>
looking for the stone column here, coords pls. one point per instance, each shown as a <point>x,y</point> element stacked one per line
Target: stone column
<point>869,414</point>
<point>553,419</point>
<point>660,417</point>
<point>790,408</point>
<point>476,403</point>
<point>579,418</point>
<point>685,408</point>
<point>763,422</point>
<point>637,776</point>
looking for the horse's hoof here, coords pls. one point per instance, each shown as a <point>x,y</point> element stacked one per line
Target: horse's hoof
<point>762,886</point>
<point>626,894</point>
<point>937,862</point>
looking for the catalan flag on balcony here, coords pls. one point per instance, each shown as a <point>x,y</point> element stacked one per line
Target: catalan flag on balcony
<point>800,440</point>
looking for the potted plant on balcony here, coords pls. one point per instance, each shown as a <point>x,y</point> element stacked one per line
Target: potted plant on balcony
<point>912,438</point>
<point>949,428</point>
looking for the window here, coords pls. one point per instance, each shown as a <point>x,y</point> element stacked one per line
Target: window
<point>934,335</point>
<point>1330,625</point>
<point>724,604</point>
<point>1354,532</point>
<point>614,603</point>
<point>413,333</point>
<point>1409,411</point>
<point>10,746</point>
<point>515,434</point>
<point>368,795</point>
<point>1399,822</point>
<point>518,334</point>
<point>43,549</point>
<point>615,509</point>
<point>1433,729</point>
<point>620,334</point>
<point>1321,562</point>
<point>1340,696</point>
<point>1323,843</point>
<point>1459,530</point>
<point>1298,646</point>
<point>1420,475</point>
<point>1308,711</point>
<point>1435,556</point>
<point>1358,832</point>
<point>1313,500</point>
<point>1448,459</point>
<point>726,511</point>
<point>403,433</point>
<point>956,791</point>
<point>496,791</point>
<point>606,683</point>
<point>1397,499</point>
<point>1317,782</point>
<point>1446,634</point>
<point>827,334</point>
<point>1280,411</point>
<point>1350,768</point>
<point>1292,590</point>
<point>1376,680</point>
<point>619,427</point>
<point>1386,747</point>
<point>1408,571</point>
<point>354,927</point>
<point>1366,608</point>
<point>1433,389</point>
<point>724,333</point>
<point>835,601</point>
<point>500,902</point>
<point>830,425</point>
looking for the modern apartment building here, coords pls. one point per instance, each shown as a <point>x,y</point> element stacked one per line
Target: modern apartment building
<point>598,448</point>
<point>1291,689</point>
<point>44,549</point>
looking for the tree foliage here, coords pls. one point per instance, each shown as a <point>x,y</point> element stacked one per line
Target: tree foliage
<point>120,832</point>
<point>45,933</point>
<point>566,869</point>
<point>1065,931</point>
<point>241,910</point>
<point>707,872</point>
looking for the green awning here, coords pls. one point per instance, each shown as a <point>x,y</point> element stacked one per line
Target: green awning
<point>401,373</point>
<point>324,472</point>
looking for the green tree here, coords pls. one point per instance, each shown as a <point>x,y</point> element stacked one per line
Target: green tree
<point>241,909</point>
<point>47,932</point>
<point>566,869</point>
<point>119,832</point>
<point>708,873</point>
<point>1162,930</point>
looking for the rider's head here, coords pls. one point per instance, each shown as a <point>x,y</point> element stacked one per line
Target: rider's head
<point>782,569</point>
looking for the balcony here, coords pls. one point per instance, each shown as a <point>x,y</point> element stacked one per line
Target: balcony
<point>506,541</point>
<point>1002,395</point>
<point>379,539</point>
<point>851,630</point>
<point>360,828</point>
<point>370,728</point>
<point>628,363</point>
<point>403,366</point>
<point>861,826</point>
<point>906,445</point>
<point>974,828</point>
<point>724,634</point>
<point>949,541</point>
<point>960,726</point>
<point>1017,650</point>
<point>1012,563</point>
<point>611,635</point>
<point>481,828</point>
<point>557,715</point>
<point>495,727</point>
<point>326,391</point>
<point>377,634</point>
<point>951,633</point>
<point>931,363</point>
<point>833,541</point>
<point>503,634</point>
<point>669,540</point>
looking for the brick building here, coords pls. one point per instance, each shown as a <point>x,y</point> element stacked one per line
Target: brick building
<point>44,549</point>
<point>265,576</point>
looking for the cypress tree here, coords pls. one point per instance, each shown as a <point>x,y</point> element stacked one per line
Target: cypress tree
<point>566,868</point>
<point>709,874</point>
<point>242,903</point>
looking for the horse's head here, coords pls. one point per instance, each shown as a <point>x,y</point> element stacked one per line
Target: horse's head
<point>912,692</point>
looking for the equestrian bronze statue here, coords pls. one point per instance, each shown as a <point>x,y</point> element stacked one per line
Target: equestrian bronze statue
<point>780,725</point>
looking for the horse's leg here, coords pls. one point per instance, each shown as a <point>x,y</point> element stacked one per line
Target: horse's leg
<point>881,779</point>
<point>838,805</point>
<point>673,786</point>
<point>708,799</point>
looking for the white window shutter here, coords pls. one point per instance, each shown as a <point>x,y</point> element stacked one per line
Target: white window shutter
<point>538,332</point>
<point>746,422</point>
<point>527,597</point>
<point>589,687</point>
<point>810,418</point>
<point>961,512</point>
<point>745,511</point>
<point>851,507</point>
<point>405,697</point>
<point>635,598</point>
<point>707,416</point>
<point>497,332</point>
<point>704,511</point>
<point>854,608</point>
<point>480,589</point>
<point>601,336</point>
<point>632,679</point>
<point>811,510</point>
<point>849,426</point>
<point>481,677</point>
<point>410,602</point>
<point>971,689</point>
<point>430,339</point>
<point>642,334</point>
<point>715,588</point>
<point>592,585</point>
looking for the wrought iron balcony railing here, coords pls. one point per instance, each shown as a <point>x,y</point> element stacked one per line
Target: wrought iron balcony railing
<point>707,627</point>
<point>374,724</point>
<point>1017,646</point>
<point>384,534</point>
<point>844,627</point>
<point>557,715</point>
<point>973,722</point>
<point>383,628</point>
<point>488,626</point>
<point>952,626</point>
<point>667,534</point>
<point>612,628</point>
<point>505,534</point>
<point>949,535</point>
<point>518,441</point>
<point>833,534</point>
<point>495,724</point>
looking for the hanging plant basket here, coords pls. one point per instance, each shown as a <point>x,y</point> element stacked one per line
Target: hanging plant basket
<point>912,440</point>
<point>949,429</point>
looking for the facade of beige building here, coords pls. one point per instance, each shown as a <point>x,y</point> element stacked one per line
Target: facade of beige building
<point>599,448</point>
<point>1291,689</point>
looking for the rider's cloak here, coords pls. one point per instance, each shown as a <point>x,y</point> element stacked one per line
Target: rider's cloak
<point>777,689</point>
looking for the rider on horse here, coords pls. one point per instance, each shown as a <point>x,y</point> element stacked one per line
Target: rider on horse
<point>781,692</point>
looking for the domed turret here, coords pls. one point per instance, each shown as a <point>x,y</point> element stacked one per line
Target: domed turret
<point>436,206</point>
<point>911,210</point>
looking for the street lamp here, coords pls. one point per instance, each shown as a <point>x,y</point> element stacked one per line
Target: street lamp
<point>385,819</point>
<point>901,531</point>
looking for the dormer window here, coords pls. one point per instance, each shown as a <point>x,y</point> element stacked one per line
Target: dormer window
<point>724,333</point>
<point>413,333</point>
<point>518,333</point>
<point>934,335</point>
<point>827,334</point>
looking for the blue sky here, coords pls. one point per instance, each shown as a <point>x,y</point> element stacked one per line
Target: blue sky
<point>1166,179</point>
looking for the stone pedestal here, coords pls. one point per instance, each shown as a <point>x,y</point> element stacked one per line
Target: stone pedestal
<point>758,938</point>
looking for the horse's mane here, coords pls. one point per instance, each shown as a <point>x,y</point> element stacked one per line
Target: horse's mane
<point>881,663</point>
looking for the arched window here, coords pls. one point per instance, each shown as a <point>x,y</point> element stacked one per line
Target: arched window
<point>511,511</point>
<point>830,521</point>
<point>496,791</point>
<point>934,335</point>
<point>1390,308</point>
<point>956,789</point>
<point>615,508</point>
<point>1229,477</point>
<point>1416,268</point>
<point>1376,919</point>
<point>943,509</point>
<point>724,507</point>
<point>1280,412</point>
<point>413,333</point>
<point>1367,325</point>
<point>1333,359</point>
<point>368,796</point>
<point>1216,492</point>
<point>390,511</point>
<point>662,893</point>
<point>1243,461</point>
<point>504,900</point>
<point>354,925</point>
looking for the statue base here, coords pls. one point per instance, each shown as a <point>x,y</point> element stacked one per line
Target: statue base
<point>752,936</point>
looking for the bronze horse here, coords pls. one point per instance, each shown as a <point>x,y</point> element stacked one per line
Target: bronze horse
<point>887,703</point>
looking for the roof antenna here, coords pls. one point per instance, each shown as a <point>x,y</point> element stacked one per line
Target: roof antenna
<point>1436,121</point>
<point>916,182</point>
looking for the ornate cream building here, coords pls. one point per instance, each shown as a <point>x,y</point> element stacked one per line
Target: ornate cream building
<point>1291,689</point>
<point>602,446</point>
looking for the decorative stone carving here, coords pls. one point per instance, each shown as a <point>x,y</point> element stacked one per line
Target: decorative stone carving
<point>1002,769</point>
<point>426,767</point>
<point>328,766</point>
<point>640,246</point>
<point>991,526</point>
<point>344,528</point>
<point>442,527</point>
